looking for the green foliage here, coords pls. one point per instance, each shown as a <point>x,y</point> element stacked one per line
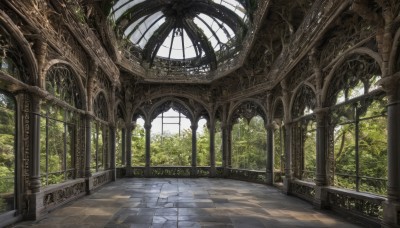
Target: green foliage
<point>249,144</point>
<point>139,146</point>
<point>372,145</point>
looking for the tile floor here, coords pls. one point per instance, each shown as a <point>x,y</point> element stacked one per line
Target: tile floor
<point>203,202</point>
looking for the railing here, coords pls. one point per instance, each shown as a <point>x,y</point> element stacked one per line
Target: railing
<point>303,189</point>
<point>248,175</point>
<point>367,207</point>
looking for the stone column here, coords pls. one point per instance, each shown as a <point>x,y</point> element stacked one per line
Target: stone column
<point>194,149</point>
<point>113,151</point>
<point>229,145</point>
<point>147,126</point>
<point>391,208</point>
<point>321,197</point>
<point>35,144</point>
<point>129,128</point>
<point>211,129</point>
<point>123,148</point>
<point>224,147</point>
<point>288,157</point>
<point>270,154</point>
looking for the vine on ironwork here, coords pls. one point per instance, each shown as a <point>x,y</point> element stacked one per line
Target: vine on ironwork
<point>100,107</point>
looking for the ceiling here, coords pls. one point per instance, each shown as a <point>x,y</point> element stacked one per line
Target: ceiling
<point>180,40</point>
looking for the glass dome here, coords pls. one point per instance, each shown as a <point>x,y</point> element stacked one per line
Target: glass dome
<point>182,34</point>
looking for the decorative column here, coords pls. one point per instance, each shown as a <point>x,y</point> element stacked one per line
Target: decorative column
<point>321,197</point>
<point>288,157</point>
<point>34,145</point>
<point>391,208</point>
<point>224,147</point>
<point>147,127</point>
<point>123,148</point>
<point>270,154</point>
<point>113,151</point>
<point>194,149</point>
<point>129,128</point>
<point>229,145</point>
<point>211,129</point>
<point>88,172</point>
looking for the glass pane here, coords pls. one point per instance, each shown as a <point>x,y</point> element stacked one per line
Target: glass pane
<point>249,144</point>
<point>173,146</point>
<point>218,144</point>
<point>70,146</point>
<point>100,148</point>
<point>310,152</point>
<point>7,153</point>
<point>55,139</point>
<point>373,155</point>
<point>344,152</point>
<point>139,144</point>
<point>203,143</point>
<point>93,147</point>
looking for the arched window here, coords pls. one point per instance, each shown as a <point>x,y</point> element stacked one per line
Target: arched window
<point>100,157</point>
<point>249,144</point>
<point>249,138</point>
<point>218,144</point>
<point>58,127</point>
<point>7,153</point>
<point>304,134</point>
<point>358,127</point>
<point>171,137</point>
<point>10,56</point>
<point>203,143</point>
<point>139,143</point>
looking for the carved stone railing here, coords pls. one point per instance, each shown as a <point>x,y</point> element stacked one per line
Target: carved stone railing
<point>363,206</point>
<point>99,179</point>
<point>248,175</point>
<point>219,172</point>
<point>176,171</point>
<point>303,189</point>
<point>278,177</point>
<point>138,171</point>
<point>57,195</point>
<point>203,171</point>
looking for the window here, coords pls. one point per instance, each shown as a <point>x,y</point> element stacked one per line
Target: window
<point>58,127</point>
<point>171,139</point>
<point>203,143</point>
<point>139,144</point>
<point>7,152</point>
<point>249,144</point>
<point>100,156</point>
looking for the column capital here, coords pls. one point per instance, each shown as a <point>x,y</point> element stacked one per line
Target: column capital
<point>270,126</point>
<point>390,85</point>
<point>147,126</point>
<point>194,127</point>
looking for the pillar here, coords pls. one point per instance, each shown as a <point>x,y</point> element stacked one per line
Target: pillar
<point>270,154</point>
<point>129,129</point>
<point>288,157</point>
<point>321,197</point>
<point>113,151</point>
<point>34,145</point>
<point>391,208</point>
<point>211,129</point>
<point>147,127</point>
<point>194,149</point>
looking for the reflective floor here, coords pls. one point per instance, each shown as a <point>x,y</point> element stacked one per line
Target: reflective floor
<point>188,203</point>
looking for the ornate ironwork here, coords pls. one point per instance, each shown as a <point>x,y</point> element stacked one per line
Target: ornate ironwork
<point>100,107</point>
<point>63,194</point>
<point>248,110</point>
<point>248,175</point>
<point>11,59</point>
<point>61,82</point>
<point>359,205</point>
<point>305,100</point>
<point>170,171</point>
<point>303,190</point>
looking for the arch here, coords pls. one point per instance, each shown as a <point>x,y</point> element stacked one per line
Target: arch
<point>358,51</point>
<point>139,113</point>
<point>23,44</point>
<point>81,89</point>
<point>275,108</point>
<point>168,93</point>
<point>99,102</point>
<point>158,109</point>
<point>395,54</point>
<point>247,114</point>
<point>301,90</point>
<point>120,112</point>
